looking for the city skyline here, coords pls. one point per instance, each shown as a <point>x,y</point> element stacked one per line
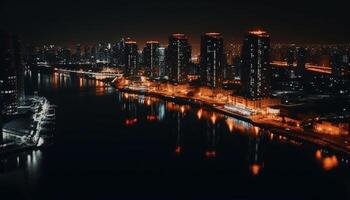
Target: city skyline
<point>174,99</point>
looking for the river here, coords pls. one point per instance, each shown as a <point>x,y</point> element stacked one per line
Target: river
<point>113,145</point>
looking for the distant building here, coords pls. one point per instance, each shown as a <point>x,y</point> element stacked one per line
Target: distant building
<point>290,58</point>
<point>77,57</point>
<point>8,76</point>
<point>151,58</point>
<point>120,53</point>
<point>64,55</point>
<point>212,59</point>
<point>131,55</point>
<point>301,61</point>
<point>161,61</point>
<point>340,63</point>
<point>178,57</point>
<point>256,65</point>
<point>19,64</point>
<point>140,62</point>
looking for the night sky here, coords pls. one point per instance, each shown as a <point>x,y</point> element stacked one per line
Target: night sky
<point>66,22</point>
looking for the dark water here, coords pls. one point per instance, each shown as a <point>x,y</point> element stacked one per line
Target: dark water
<point>110,145</point>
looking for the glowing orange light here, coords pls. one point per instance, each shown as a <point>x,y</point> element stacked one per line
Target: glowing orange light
<point>199,113</point>
<point>130,42</point>
<point>230,123</point>
<point>148,102</point>
<point>256,130</point>
<point>255,169</point>
<point>330,163</point>
<point>179,36</point>
<point>213,34</point>
<point>213,118</point>
<point>258,33</point>
<point>319,154</point>
<point>81,82</point>
<point>182,109</point>
<point>152,42</point>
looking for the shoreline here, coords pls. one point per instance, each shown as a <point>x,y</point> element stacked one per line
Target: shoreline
<point>306,136</point>
<point>35,138</point>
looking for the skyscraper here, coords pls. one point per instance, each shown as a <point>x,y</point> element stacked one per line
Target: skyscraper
<point>178,57</point>
<point>151,58</point>
<point>161,62</point>
<point>120,53</point>
<point>301,62</point>
<point>131,53</point>
<point>256,65</point>
<point>212,59</point>
<point>19,64</point>
<point>8,78</point>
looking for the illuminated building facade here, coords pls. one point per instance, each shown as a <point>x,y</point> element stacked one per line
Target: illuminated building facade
<point>178,57</point>
<point>161,61</point>
<point>151,58</point>
<point>131,55</point>
<point>8,78</point>
<point>256,65</point>
<point>212,59</point>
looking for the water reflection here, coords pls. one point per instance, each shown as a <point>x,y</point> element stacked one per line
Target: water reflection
<point>214,133</point>
<point>256,151</point>
<point>178,148</point>
<point>326,160</point>
<point>142,109</point>
<point>43,81</point>
<point>212,137</point>
<point>29,162</point>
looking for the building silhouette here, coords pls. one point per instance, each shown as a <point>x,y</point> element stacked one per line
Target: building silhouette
<point>212,59</point>
<point>178,57</point>
<point>255,70</point>
<point>8,74</point>
<point>131,55</point>
<point>151,58</point>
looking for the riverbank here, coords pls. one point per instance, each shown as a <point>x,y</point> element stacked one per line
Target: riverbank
<point>31,128</point>
<point>335,143</point>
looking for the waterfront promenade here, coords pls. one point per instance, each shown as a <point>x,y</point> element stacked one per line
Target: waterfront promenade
<point>337,143</point>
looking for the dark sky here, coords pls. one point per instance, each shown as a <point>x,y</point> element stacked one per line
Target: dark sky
<point>68,22</point>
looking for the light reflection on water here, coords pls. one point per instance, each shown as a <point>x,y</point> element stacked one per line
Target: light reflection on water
<point>132,105</point>
<point>195,134</point>
<point>29,162</point>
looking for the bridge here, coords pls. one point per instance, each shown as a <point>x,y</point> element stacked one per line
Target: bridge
<point>308,67</point>
<point>97,75</point>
